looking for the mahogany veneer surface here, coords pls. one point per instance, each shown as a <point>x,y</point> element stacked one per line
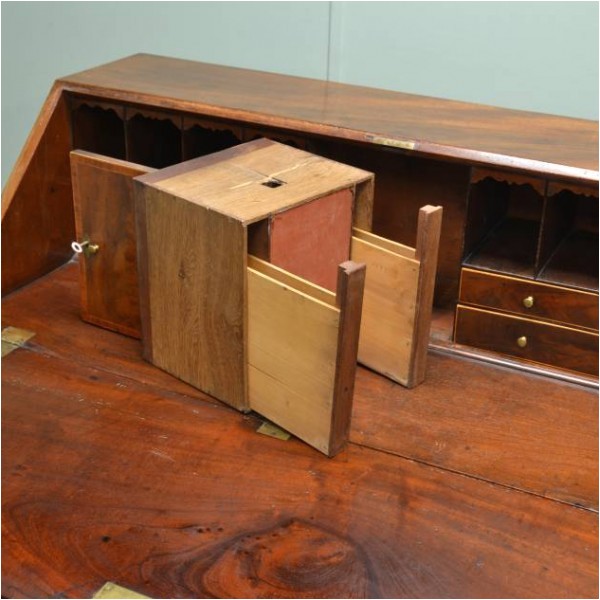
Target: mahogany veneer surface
<point>446,128</point>
<point>113,470</point>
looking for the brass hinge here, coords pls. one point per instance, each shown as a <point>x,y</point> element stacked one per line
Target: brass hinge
<point>112,590</point>
<point>13,338</point>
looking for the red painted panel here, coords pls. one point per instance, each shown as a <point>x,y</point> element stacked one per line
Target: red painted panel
<point>311,240</point>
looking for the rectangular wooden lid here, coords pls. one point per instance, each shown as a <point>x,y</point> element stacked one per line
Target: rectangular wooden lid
<point>251,181</point>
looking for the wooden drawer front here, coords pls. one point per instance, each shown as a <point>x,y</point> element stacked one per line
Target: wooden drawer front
<point>554,345</point>
<point>549,302</point>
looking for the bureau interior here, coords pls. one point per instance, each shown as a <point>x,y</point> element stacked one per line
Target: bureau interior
<point>504,218</point>
<point>532,228</point>
<point>569,243</point>
<point>503,222</point>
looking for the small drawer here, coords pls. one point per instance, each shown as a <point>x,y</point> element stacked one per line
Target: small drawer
<point>555,345</point>
<point>529,298</point>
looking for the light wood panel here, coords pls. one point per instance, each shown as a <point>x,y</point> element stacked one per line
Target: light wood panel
<point>292,350</point>
<point>192,293</point>
<point>104,214</point>
<point>389,305</point>
<point>239,181</point>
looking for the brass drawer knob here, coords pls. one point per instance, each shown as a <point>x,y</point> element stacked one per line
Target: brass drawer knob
<point>522,341</point>
<point>528,302</point>
<point>85,247</point>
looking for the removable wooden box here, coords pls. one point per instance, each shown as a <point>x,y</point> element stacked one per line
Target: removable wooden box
<point>255,334</point>
<point>242,295</point>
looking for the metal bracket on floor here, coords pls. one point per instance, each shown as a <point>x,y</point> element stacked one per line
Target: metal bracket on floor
<point>13,338</point>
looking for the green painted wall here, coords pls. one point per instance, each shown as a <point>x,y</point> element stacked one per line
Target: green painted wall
<point>540,56</point>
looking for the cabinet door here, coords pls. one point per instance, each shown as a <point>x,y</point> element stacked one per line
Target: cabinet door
<point>105,219</point>
<point>301,346</point>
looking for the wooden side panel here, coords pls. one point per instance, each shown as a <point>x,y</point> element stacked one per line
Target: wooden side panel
<point>311,240</point>
<point>104,214</point>
<point>389,306</point>
<point>429,229</point>
<point>192,293</point>
<point>292,351</point>
<point>37,211</point>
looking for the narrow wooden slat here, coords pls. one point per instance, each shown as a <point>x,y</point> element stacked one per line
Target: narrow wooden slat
<point>385,243</point>
<point>350,291</point>
<point>388,315</point>
<point>283,276</point>
<point>426,252</point>
<point>292,350</point>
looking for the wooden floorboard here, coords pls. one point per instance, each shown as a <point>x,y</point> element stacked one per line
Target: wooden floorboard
<point>112,470</point>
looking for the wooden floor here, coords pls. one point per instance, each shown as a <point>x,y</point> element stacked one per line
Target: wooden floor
<point>482,482</point>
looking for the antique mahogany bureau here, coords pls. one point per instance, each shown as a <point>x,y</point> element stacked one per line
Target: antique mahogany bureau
<point>517,278</point>
<point>480,482</point>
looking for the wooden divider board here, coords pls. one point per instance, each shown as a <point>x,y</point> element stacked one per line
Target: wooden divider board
<point>301,350</point>
<point>389,306</point>
<point>104,212</point>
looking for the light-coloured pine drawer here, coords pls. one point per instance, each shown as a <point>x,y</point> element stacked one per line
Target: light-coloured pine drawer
<point>529,298</point>
<point>529,339</point>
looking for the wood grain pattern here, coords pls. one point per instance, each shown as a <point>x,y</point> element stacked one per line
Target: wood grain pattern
<point>292,352</point>
<point>564,347</point>
<point>389,308</point>
<point>234,181</point>
<point>445,128</point>
<point>176,506</point>
<point>196,314</point>
<point>494,423</point>
<point>37,210</point>
<point>560,304</point>
<point>105,214</point>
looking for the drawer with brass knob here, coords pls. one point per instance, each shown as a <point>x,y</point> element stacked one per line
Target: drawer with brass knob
<point>529,339</point>
<point>529,298</point>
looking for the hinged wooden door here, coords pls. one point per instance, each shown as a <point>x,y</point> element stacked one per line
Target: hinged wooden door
<point>105,226</point>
